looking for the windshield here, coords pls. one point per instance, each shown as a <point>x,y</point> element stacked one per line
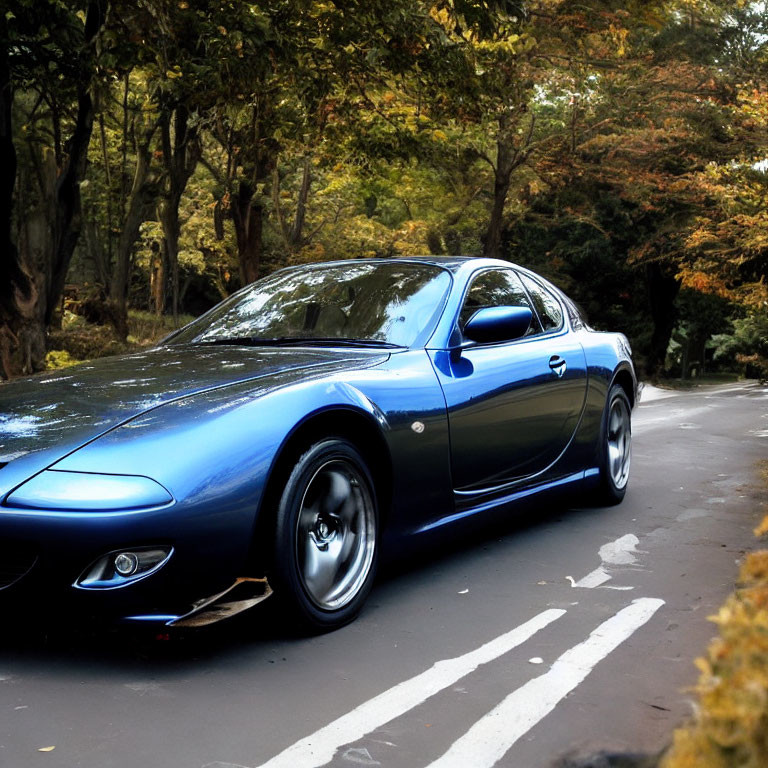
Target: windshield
<point>387,304</point>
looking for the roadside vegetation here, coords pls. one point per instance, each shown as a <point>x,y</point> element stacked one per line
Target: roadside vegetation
<point>730,726</point>
<point>78,340</point>
<point>158,155</point>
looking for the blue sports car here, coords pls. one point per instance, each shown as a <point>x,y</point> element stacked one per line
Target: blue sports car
<point>278,441</point>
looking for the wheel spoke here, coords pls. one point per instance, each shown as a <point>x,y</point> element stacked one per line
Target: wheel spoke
<point>349,513</point>
<point>619,443</point>
<point>336,532</point>
<point>308,519</point>
<point>338,493</point>
<point>614,457</point>
<point>348,542</point>
<point>320,567</point>
<point>615,423</point>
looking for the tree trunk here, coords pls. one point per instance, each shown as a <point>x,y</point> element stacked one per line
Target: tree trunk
<point>67,201</point>
<point>297,232</point>
<point>32,278</point>
<point>141,200</point>
<point>181,154</point>
<point>157,281</point>
<point>662,292</point>
<point>169,256</point>
<point>492,242</point>
<point>248,218</point>
<point>96,251</point>
<point>685,359</point>
<point>508,158</point>
<point>22,340</point>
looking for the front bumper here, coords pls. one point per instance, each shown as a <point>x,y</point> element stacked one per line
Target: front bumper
<point>45,553</point>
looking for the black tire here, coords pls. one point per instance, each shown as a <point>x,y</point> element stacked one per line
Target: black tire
<point>326,536</point>
<point>615,447</point>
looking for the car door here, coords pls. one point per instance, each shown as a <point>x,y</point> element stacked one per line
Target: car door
<point>512,406</point>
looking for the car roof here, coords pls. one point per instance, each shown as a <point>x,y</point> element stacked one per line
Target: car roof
<point>451,263</point>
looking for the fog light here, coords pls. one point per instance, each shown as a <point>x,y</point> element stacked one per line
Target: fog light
<point>119,569</point>
<point>127,563</point>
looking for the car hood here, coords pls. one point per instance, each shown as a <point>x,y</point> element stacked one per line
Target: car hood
<point>45,417</point>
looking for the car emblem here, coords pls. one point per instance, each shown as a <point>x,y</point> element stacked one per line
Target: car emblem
<point>418,427</point>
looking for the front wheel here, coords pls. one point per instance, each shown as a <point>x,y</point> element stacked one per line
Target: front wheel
<point>615,446</point>
<point>326,542</point>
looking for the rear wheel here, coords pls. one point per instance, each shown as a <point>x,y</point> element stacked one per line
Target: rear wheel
<point>326,546</point>
<point>616,446</point>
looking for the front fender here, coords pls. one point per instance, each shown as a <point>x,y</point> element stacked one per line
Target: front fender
<point>214,451</point>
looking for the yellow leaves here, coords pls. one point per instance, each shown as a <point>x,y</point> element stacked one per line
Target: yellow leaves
<point>619,37</point>
<point>173,73</point>
<point>762,529</point>
<point>729,727</point>
<point>755,568</point>
<point>443,18</point>
<point>439,135</point>
<point>510,45</point>
<point>46,749</point>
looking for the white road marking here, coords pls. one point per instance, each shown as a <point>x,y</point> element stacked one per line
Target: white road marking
<point>359,757</point>
<point>619,552</point>
<point>320,748</point>
<point>491,737</point>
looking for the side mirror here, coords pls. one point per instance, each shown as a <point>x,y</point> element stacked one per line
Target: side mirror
<point>498,324</point>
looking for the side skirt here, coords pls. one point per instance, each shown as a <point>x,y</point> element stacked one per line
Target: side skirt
<point>467,507</point>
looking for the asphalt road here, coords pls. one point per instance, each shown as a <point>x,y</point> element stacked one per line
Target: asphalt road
<point>568,630</point>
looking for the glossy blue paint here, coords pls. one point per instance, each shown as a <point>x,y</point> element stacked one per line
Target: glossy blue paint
<point>500,501</point>
<point>494,324</point>
<point>210,426</point>
<point>511,417</point>
<point>60,490</point>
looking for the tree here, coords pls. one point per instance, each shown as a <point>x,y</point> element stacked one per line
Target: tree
<point>48,61</point>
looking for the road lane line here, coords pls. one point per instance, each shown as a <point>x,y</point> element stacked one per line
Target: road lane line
<point>319,748</point>
<point>619,552</point>
<point>491,737</point>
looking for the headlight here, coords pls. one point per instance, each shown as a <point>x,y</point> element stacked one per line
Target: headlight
<point>56,489</point>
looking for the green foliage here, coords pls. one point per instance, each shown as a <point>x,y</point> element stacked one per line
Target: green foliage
<point>59,358</point>
<point>746,345</point>
<point>604,143</point>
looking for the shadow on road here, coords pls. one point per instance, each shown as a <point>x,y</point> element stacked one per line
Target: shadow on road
<point>71,645</point>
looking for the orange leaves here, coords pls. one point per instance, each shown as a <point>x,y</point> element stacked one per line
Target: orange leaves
<point>702,282</point>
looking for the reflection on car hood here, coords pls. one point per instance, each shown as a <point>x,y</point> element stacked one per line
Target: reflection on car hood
<point>57,412</point>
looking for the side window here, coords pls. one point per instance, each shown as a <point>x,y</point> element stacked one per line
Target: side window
<point>548,307</point>
<point>496,288</point>
<point>575,314</point>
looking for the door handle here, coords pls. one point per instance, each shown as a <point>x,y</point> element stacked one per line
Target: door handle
<point>558,365</point>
